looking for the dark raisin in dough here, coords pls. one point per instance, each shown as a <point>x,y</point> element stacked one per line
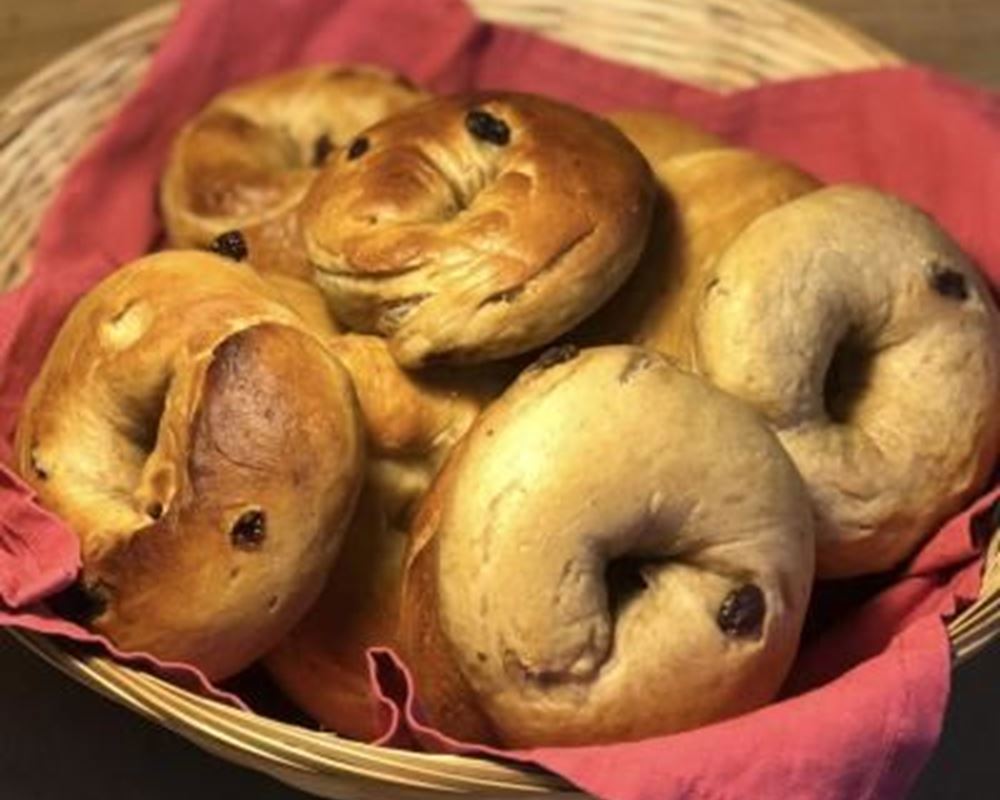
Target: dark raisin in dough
<point>230,244</point>
<point>250,530</point>
<point>949,283</point>
<point>741,614</point>
<point>485,126</point>
<point>322,148</point>
<point>358,148</point>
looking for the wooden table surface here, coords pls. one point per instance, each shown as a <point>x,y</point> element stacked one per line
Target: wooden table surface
<point>58,740</point>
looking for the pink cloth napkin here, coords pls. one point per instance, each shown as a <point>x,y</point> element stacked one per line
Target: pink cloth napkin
<point>863,708</point>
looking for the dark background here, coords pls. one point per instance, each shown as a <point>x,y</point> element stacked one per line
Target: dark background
<point>61,741</point>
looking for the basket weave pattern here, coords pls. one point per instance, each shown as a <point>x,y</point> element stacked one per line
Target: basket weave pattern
<point>716,44</point>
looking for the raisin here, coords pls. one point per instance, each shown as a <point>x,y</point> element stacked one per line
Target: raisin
<point>485,126</point>
<point>230,244</point>
<point>322,148</point>
<point>250,530</point>
<point>949,283</point>
<point>741,614</point>
<point>358,148</point>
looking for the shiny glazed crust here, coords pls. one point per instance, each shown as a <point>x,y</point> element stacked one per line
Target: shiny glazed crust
<point>206,446</point>
<point>251,154</point>
<point>477,227</point>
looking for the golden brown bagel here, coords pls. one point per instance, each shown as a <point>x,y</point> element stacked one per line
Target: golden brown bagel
<point>321,664</point>
<point>616,550</point>
<point>412,422</point>
<point>663,136</point>
<point>206,447</point>
<point>706,199</point>
<point>477,227</point>
<point>872,345</point>
<point>250,155</point>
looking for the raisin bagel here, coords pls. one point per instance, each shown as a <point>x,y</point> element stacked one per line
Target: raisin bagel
<point>250,155</point>
<point>477,227</point>
<point>206,446</point>
<point>616,550</point>
<point>870,342</point>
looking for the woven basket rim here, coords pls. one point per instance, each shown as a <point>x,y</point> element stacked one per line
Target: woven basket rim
<point>122,52</point>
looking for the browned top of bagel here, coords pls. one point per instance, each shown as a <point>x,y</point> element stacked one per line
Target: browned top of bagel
<point>477,226</point>
<point>253,151</point>
<point>205,445</point>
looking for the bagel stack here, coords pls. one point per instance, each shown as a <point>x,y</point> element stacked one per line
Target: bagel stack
<point>570,412</point>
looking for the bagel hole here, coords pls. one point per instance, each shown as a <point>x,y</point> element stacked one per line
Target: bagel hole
<point>847,379</point>
<point>625,580</point>
<point>142,420</point>
<point>138,423</point>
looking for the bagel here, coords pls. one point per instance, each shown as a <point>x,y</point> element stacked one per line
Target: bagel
<point>663,136</point>
<point>250,155</point>
<point>206,447</point>
<point>616,550</point>
<point>411,424</point>
<point>321,665</point>
<point>870,342</point>
<point>411,420</point>
<point>706,199</point>
<point>477,227</point>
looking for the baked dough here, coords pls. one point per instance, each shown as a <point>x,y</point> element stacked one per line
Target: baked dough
<point>412,422</point>
<point>870,342</point>
<point>250,155</point>
<point>616,550</point>
<point>206,447</point>
<point>705,200</point>
<point>477,227</point>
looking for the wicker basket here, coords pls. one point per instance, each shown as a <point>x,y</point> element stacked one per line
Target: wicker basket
<point>718,44</point>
